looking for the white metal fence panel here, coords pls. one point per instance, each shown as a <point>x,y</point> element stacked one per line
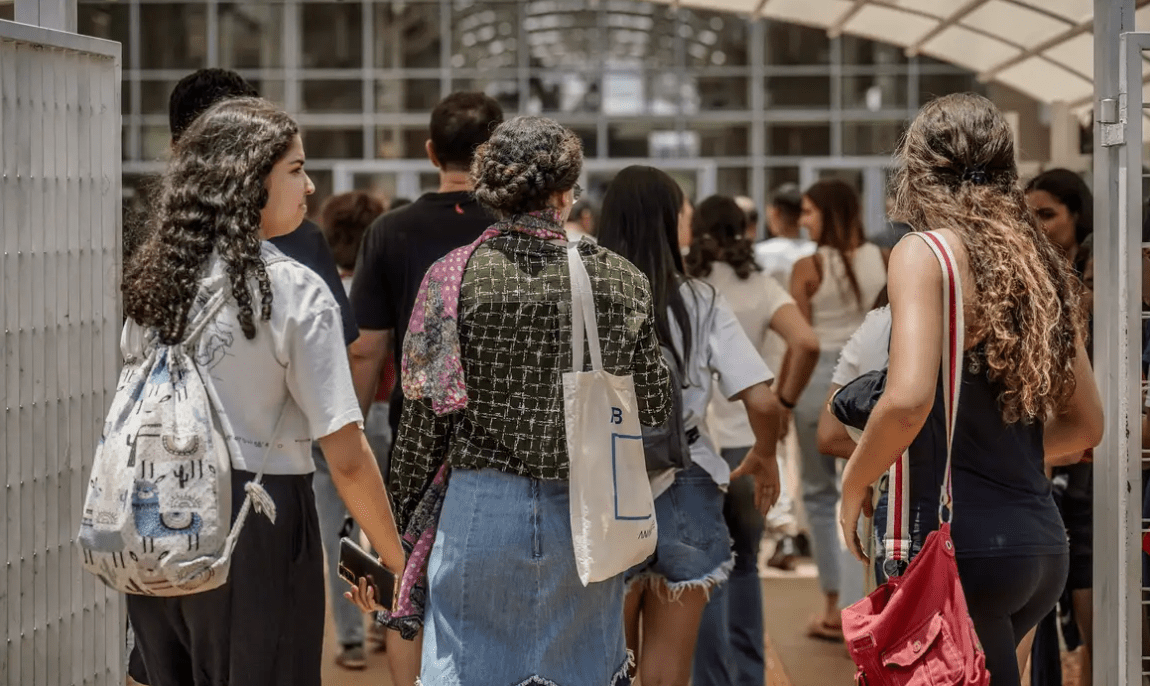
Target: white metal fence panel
<point>59,358</point>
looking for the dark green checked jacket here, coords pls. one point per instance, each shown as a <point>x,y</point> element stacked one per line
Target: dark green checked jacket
<point>515,340</point>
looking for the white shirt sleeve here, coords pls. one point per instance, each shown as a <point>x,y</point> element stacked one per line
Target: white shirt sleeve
<point>866,347</point>
<point>732,357</point>
<point>318,371</point>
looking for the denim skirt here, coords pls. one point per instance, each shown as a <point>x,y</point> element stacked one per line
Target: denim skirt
<point>505,604</point>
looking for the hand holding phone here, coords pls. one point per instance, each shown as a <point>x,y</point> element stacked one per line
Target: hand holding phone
<point>356,564</point>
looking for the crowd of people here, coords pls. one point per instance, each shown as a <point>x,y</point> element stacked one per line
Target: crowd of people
<point>437,333</point>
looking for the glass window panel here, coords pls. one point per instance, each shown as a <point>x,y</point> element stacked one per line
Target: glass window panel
<point>380,184</point>
<point>155,142</point>
<point>792,44</point>
<point>332,144</point>
<point>565,92</point>
<point>397,142</point>
<point>270,89</point>
<point>931,86</point>
<point>590,137</point>
<point>407,36</point>
<point>734,181</point>
<point>632,139</point>
<point>723,140</point>
<point>875,92</point>
<point>777,176</point>
<point>715,39</point>
<point>332,95</point>
<point>154,96</point>
<point>173,36</point>
<point>798,92</point>
<point>428,183</point>
<point>659,93</point>
<point>322,179</point>
<point>406,95</point>
<point>8,11</point>
<point>640,34</point>
<point>798,140</point>
<point>102,19</point>
<point>251,35</point>
<point>484,35</point>
<point>871,138</point>
<point>560,34</point>
<point>331,35</point>
<point>710,93</point>
<point>504,89</point>
<point>862,51</point>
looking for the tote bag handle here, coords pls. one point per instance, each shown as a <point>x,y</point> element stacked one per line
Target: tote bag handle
<point>583,319</point>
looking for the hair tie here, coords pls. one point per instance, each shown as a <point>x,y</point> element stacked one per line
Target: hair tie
<point>975,175</point>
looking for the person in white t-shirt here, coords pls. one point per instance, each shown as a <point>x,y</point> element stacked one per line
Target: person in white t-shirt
<point>731,633</point>
<point>787,244</point>
<point>644,213</point>
<point>236,179</point>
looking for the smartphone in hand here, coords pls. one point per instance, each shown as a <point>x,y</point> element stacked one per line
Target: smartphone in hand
<point>355,563</point>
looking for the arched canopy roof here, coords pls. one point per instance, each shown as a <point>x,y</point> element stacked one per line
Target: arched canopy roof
<point>1043,48</point>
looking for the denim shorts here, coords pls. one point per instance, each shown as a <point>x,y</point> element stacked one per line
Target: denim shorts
<point>694,547</point>
<point>505,604</point>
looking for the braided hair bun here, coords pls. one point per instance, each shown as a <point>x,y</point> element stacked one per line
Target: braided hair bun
<point>524,163</point>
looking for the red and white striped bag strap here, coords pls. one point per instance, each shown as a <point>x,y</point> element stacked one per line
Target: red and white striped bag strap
<point>897,538</point>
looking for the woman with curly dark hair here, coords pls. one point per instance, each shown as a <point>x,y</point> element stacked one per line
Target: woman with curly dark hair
<point>274,354</point>
<point>1027,388</point>
<point>722,256</point>
<point>483,364</point>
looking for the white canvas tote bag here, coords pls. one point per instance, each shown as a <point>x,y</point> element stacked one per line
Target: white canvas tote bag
<point>613,524</point>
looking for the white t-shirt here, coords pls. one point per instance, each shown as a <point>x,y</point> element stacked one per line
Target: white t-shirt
<point>755,301</point>
<point>721,354</point>
<point>297,358</point>
<point>867,350</point>
<point>777,256</point>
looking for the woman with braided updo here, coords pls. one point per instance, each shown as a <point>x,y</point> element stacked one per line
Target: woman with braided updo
<point>483,362</point>
<point>1028,392</point>
<point>272,347</point>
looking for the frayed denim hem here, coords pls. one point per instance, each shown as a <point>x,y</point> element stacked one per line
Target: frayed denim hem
<point>622,677</point>
<point>675,590</point>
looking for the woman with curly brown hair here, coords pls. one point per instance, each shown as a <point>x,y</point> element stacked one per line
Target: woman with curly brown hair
<point>1027,389</point>
<point>274,353</point>
<point>483,364</point>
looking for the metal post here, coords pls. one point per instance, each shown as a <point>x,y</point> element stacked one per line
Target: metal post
<point>1116,648</point>
<point>50,14</point>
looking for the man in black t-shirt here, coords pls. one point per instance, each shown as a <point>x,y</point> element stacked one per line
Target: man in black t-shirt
<point>401,245</point>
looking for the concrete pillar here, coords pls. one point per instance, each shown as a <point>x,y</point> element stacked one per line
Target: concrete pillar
<point>59,15</point>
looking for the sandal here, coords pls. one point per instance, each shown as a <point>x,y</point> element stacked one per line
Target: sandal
<point>820,629</point>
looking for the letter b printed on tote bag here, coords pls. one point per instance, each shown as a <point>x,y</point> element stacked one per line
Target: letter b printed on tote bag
<point>613,524</point>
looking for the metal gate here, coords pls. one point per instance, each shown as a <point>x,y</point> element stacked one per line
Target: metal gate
<point>59,357</point>
<point>1119,607</point>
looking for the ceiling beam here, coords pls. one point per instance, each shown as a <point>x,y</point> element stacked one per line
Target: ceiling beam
<point>836,29</point>
<point>955,17</point>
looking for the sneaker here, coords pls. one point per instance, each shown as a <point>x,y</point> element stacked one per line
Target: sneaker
<point>351,657</point>
<point>784,557</point>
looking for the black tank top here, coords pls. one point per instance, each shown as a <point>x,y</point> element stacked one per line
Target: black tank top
<point>1002,498</point>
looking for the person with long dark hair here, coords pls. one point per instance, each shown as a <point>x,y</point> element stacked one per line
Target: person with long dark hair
<point>1064,206</point>
<point>644,212</point>
<point>483,366</point>
<point>1027,387</point>
<point>235,180</point>
<point>834,288</point>
<point>731,633</point>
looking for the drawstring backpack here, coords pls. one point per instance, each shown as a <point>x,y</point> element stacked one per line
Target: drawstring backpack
<point>157,516</point>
